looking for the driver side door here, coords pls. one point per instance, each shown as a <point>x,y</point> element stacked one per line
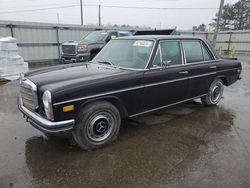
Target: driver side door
<point>166,82</point>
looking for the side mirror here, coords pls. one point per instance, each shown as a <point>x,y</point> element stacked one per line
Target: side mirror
<point>111,37</point>
<point>166,63</point>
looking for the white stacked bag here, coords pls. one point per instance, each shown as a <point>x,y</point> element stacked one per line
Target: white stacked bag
<point>11,64</point>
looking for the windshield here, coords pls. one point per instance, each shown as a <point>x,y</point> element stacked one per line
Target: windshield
<point>96,36</point>
<point>126,53</point>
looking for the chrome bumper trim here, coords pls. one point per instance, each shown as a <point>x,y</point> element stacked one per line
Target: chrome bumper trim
<point>43,124</point>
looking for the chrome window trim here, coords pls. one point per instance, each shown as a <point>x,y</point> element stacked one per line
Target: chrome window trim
<point>208,51</point>
<point>150,56</point>
<point>156,53</point>
<point>200,63</point>
<point>132,88</point>
<point>206,45</point>
<point>192,40</point>
<point>159,48</point>
<point>184,58</point>
<point>203,62</point>
<point>183,53</point>
<point>202,51</point>
<point>158,108</point>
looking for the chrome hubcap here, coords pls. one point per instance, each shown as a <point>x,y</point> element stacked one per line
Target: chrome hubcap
<point>100,127</point>
<point>216,92</point>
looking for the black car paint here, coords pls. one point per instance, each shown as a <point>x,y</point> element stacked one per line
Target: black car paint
<point>131,91</point>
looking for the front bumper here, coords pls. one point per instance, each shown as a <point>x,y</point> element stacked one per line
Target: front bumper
<point>44,125</point>
<point>81,57</point>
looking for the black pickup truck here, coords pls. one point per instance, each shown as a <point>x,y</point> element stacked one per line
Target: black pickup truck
<point>129,77</point>
<point>87,48</point>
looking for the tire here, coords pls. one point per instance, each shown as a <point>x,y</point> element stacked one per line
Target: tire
<point>215,93</point>
<point>97,125</point>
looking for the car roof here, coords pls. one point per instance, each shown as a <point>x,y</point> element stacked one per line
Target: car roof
<point>108,31</point>
<point>158,37</point>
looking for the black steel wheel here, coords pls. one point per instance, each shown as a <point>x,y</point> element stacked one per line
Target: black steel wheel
<point>97,125</point>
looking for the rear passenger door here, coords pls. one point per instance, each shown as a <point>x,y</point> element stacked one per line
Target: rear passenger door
<point>201,66</point>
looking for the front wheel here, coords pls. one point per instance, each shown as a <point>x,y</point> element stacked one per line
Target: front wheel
<point>215,93</point>
<point>97,125</point>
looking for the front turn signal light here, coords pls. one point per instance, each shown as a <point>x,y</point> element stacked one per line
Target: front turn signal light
<point>68,108</point>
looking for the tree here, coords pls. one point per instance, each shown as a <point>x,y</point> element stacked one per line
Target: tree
<point>241,13</point>
<point>201,27</point>
<point>234,17</point>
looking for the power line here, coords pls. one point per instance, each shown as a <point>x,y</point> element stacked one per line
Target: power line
<point>95,2</point>
<point>160,8</point>
<point>110,6</point>
<point>38,9</point>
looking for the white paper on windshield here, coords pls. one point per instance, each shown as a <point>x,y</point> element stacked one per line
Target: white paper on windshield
<point>143,43</point>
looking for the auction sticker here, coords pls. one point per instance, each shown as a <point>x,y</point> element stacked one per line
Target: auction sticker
<point>143,43</point>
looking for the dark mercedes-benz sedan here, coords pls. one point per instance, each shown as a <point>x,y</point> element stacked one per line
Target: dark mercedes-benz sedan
<point>129,77</point>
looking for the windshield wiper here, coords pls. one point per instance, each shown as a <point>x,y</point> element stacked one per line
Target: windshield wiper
<point>107,63</point>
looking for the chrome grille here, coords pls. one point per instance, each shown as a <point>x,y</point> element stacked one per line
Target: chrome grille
<point>28,95</point>
<point>69,49</point>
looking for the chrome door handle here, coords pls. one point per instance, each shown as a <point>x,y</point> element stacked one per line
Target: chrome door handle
<point>213,67</point>
<point>183,72</point>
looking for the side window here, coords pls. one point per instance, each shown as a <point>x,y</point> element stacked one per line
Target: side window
<point>157,59</point>
<point>193,51</point>
<point>168,53</point>
<point>206,53</point>
<point>110,36</point>
<point>171,52</point>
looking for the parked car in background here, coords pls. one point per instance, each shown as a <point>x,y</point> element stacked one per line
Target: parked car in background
<point>87,48</point>
<point>129,77</point>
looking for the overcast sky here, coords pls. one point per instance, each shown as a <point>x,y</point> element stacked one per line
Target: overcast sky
<point>183,19</point>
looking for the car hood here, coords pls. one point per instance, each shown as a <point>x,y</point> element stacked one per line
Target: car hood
<point>61,76</point>
<point>83,42</point>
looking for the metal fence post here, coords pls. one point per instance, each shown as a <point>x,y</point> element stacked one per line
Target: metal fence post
<point>207,35</point>
<point>11,29</point>
<point>58,42</point>
<point>229,42</point>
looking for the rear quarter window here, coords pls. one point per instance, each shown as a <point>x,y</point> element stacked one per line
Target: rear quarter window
<point>206,53</point>
<point>193,51</point>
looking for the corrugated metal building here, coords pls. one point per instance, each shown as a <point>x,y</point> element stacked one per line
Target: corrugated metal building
<point>40,42</point>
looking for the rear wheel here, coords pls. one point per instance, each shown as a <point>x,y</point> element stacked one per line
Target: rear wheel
<point>214,94</point>
<point>97,125</point>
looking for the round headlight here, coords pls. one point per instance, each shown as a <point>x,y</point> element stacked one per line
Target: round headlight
<point>46,99</point>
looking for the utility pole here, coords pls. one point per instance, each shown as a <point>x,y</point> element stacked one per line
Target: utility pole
<point>81,12</point>
<point>99,15</point>
<point>58,19</point>
<point>218,22</point>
